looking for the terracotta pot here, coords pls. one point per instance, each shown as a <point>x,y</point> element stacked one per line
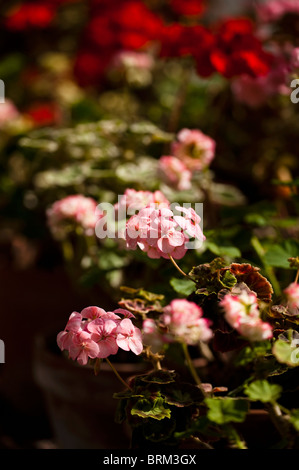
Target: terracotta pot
<point>80,404</point>
<point>258,430</point>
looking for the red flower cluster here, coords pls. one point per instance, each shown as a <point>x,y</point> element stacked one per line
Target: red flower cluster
<point>230,48</point>
<point>33,14</point>
<point>114,25</point>
<point>237,51</point>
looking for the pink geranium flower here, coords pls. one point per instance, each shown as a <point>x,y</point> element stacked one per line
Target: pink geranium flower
<point>240,307</point>
<point>241,311</point>
<point>273,10</point>
<point>103,332</point>
<point>129,337</point>
<point>185,322</point>
<point>8,112</point>
<point>83,347</point>
<point>175,173</point>
<point>255,330</point>
<point>72,212</point>
<point>74,325</point>
<point>190,222</point>
<point>292,295</point>
<point>95,333</point>
<point>161,234</point>
<point>194,148</point>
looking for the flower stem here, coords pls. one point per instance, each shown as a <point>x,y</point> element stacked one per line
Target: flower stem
<point>235,438</point>
<point>297,277</point>
<point>117,375</point>
<point>191,367</point>
<point>179,269</point>
<point>255,243</point>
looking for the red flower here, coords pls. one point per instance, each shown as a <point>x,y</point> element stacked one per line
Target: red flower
<point>114,26</point>
<point>90,66</point>
<point>196,41</point>
<point>188,8</point>
<point>30,15</point>
<point>43,114</point>
<point>237,51</point>
<point>33,14</point>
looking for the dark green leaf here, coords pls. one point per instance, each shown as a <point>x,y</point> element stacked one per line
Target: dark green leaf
<point>151,409</point>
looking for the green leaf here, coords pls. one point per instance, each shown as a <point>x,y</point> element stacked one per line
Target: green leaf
<point>158,377</point>
<point>229,251</point>
<point>262,390</point>
<point>256,219</point>
<point>226,410</point>
<point>151,409</point>
<point>286,348</point>
<point>110,260</point>
<point>278,255</point>
<point>250,353</point>
<point>228,280</point>
<point>183,287</point>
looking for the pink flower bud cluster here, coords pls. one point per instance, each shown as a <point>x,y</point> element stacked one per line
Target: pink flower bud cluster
<point>72,212</point>
<point>273,10</point>
<point>185,322</point>
<point>242,313</point>
<point>160,233</point>
<point>195,149</point>
<point>292,295</point>
<point>95,333</point>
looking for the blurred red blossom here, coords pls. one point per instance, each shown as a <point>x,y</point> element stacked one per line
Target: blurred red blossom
<point>44,114</point>
<point>189,8</point>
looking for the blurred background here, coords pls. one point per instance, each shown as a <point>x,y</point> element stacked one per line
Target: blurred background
<point>96,92</point>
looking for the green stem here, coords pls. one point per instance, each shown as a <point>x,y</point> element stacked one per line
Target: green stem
<point>234,436</point>
<point>179,269</point>
<point>268,270</point>
<point>191,367</point>
<point>117,375</point>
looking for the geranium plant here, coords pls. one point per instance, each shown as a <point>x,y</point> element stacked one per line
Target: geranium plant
<point>228,318</point>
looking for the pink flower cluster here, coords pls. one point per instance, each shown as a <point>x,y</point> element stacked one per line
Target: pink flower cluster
<point>72,212</point>
<point>195,149</point>
<point>95,333</point>
<point>160,233</point>
<point>182,321</point>
<point>292,295</point>
<point>242,313</point>
<point>186,323</point>
<point>273,10</point>
<point>175,173</point>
